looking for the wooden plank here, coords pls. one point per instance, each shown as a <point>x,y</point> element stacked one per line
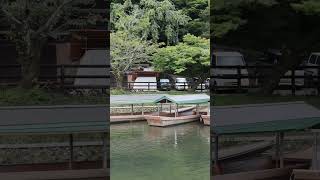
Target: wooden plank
<point>255,175</point>
<point>49,145</point>
<point>57,175</point>
<point>302,174</point>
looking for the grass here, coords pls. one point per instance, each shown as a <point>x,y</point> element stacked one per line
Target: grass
<point>38,96</point>
<point>238,99</point>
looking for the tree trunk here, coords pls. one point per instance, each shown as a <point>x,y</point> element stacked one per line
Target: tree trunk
<point>30,63</point>
<point>289,60</point>
<point>119,81</point>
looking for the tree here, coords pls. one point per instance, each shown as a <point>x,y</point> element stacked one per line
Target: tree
<point>290,26</point>
<point>32,22</point>
<point>190,58</point>
<point>149,19</point>
<point>127,52</point>
<point>199,12</point>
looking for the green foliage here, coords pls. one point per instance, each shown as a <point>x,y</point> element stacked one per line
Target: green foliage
<point>148,19</point>
<point>227,16</point>
<point>30,24</point>
<point>199,12</point>
<point>39,96</point>
<point>127,52</point>
<point>258,25</point>
<point>190,58</point>
<point>310,7</point>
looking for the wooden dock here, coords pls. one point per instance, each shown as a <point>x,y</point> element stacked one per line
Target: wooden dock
<point>125,118</point>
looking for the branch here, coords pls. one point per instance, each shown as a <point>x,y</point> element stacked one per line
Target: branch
<point>53,16</point>
<point>10,16</point>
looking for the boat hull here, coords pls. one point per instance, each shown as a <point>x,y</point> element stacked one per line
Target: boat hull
<point>163,121</point>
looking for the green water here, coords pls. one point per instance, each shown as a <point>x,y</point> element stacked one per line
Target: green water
<point>141,152</point>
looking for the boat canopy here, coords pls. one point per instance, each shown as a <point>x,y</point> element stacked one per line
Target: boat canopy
<point>54,119</point>
<point>158,98</point>
<point>259,118</point>
<point>134,99</point>
<point>185,99</point>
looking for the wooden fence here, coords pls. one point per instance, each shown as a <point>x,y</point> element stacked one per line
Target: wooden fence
<point>256,74</point>
<point>56,75</point>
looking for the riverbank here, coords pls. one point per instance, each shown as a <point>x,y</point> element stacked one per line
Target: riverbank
<point>16,149</point>
<point>238,99</point>
<point>39,96</point>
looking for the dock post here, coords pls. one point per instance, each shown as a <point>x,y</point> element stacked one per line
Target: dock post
<point>208,113</point>
<point>197,109</point>
<point>170,108</point>
<point>104,151</point>
<point>216,155</point>
<point>176,114</point>
<point>71,151</point>
<point>277,157</point>
<point>315,159</point>
<point>142,110</point>
<point>158,110</point>
<point>281,149</point>
<point>131,109</point>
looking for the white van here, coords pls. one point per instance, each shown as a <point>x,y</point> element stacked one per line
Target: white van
<point>228,59</point>
<point>313,60</point>
<point>145,84</point>
<point>181,84</point>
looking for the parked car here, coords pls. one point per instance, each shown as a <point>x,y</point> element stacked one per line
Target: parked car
<point>164,84</point>
<point>228,59</point>
<point>207,83</point>
<point>181,84</point>
<point>313,60</point>
<point>272,58</point>
<point>145,84</point>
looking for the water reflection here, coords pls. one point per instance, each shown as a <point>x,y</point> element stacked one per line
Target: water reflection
<point>140,152</point>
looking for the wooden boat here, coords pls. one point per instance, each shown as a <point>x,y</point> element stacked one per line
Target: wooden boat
<point>163,121</point>
<point>247,162</point>
<point>205,117</point>
<point>239,151</point>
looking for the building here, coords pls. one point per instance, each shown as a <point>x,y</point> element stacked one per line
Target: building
<point>67,48</point>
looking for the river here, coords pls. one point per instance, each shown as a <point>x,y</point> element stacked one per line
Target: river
<point>141,152</point>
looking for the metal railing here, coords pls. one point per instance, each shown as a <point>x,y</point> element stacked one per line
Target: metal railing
<point>56,75</point>
<point>152,86</point>
<point>256,74</point>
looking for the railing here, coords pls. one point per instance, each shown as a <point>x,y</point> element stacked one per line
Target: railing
<point>57,75</point>
<point>257,73</point>
<point>152,86</point>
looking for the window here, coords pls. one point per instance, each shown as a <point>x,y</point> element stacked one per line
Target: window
<point>213,60</point>
<point>313,59</point>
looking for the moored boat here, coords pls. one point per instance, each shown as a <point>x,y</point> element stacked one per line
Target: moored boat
<point>162,121</point>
